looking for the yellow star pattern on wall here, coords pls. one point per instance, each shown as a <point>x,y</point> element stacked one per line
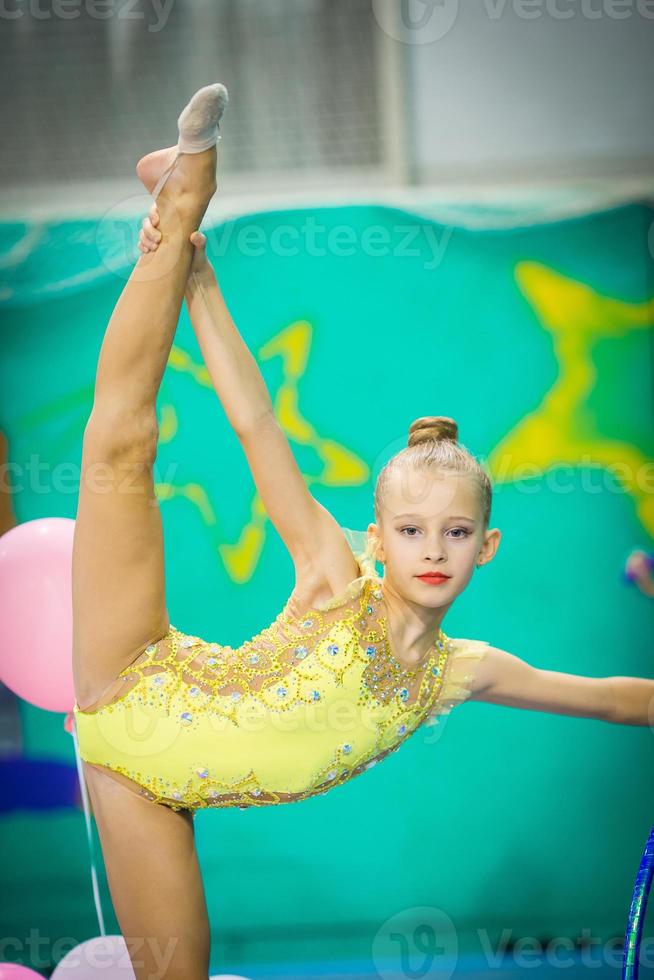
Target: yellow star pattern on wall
<point>559,431</point>
<point>340,466</point>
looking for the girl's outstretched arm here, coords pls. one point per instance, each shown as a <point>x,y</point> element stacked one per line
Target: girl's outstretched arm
<point>314,539</point>
<point>502,678</point>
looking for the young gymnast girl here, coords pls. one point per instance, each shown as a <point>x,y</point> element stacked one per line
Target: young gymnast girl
<point>169,722</point>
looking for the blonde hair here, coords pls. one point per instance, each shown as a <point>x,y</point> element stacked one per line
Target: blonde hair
<point>432,446</point>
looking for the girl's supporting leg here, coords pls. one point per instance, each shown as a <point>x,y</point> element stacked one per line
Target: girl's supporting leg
<point>155,881</point>
<point>119,602</point>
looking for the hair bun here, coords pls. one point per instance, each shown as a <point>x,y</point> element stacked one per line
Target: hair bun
<point>432,427</point>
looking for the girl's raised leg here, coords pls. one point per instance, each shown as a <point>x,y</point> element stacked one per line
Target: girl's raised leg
<point>119,601</point>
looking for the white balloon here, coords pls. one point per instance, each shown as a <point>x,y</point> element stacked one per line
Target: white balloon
<point>106,958</point>
<point>100,958</point>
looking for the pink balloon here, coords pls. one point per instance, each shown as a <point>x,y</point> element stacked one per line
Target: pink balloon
<point>36,612</point>
<point>14,971</point>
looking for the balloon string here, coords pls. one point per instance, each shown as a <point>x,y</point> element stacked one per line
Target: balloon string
<point>89,833</point>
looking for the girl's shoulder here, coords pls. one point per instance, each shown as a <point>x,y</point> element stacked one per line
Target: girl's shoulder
<point>314,594</point>
<point>464,656</point>
<point>303,601</point>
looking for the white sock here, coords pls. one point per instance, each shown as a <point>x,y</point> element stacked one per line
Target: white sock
<point>198,122</point>
<point>198,126</point>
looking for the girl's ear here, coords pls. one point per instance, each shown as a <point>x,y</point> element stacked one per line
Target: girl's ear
<point>374,543</point>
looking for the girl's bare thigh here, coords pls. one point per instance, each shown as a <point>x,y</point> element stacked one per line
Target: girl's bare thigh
<point>119,595</point>
<point>154,879</point>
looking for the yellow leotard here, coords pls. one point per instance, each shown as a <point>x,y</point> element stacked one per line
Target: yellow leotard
<point>313,700</point>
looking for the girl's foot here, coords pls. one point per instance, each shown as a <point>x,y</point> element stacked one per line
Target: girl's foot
<point>199,121</point>
<point>151,167</point>
<point>198,125</point>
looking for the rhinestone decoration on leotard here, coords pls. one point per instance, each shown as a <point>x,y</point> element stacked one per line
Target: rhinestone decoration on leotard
<point>385,676</point>
<point>299,660</point>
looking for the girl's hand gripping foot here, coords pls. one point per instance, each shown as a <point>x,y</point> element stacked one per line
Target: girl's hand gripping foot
<point>150,236</point>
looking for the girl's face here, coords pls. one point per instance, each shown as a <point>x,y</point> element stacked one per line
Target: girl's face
<point>432,523</point>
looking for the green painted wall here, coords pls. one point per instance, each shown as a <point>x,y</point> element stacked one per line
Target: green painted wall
<point>538,341</point>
